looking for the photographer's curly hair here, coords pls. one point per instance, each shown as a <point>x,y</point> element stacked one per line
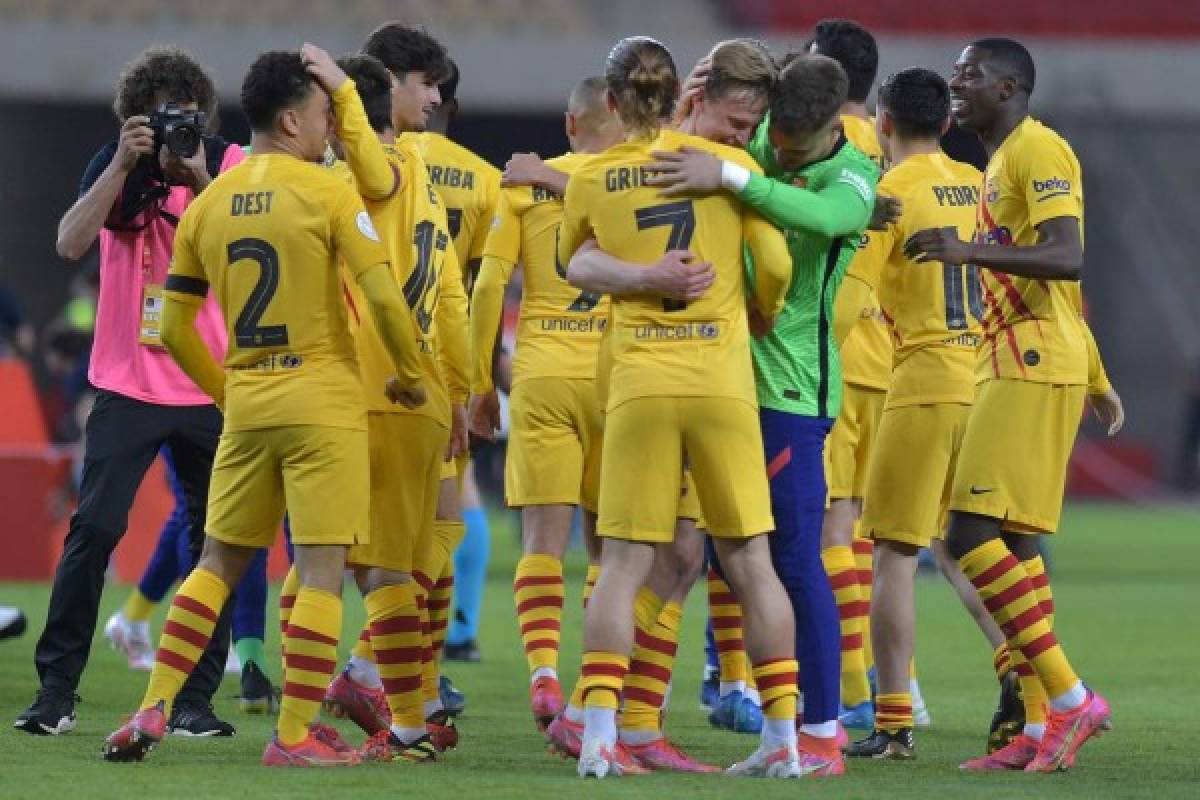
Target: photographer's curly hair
<point>164,73</point>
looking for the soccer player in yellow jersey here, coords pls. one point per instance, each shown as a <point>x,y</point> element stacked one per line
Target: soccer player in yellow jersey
<point>553,460</point>
<point>413,225</point>
<point>681,382</point>
<point>268,237</point>
<point>934,312</point>
<point>470,188</point>
<point>1033,369</point>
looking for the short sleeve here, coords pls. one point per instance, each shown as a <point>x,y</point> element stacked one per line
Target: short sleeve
<point>576,227</point>
<point>504,232</point>
<point>96,166</point>
<point>186,280</point>
<point>354,235</point>
<point>1050,179</point>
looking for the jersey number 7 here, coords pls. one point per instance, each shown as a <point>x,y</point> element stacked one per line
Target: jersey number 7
<point>681,216</point>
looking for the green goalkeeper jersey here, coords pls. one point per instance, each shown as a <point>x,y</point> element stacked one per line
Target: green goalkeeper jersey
<point>823,208</point>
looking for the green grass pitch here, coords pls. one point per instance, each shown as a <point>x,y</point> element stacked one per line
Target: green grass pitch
<point>1122,579</point>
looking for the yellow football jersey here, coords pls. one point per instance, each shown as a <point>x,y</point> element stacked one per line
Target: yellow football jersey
<point>560,326</point>
<point>1033,329</point>
<point>413,225</point>
<point>267,236</point>
<point>867,352</point>
<point>662,347</point>
<point>934,310</point>
<point>469,187</point>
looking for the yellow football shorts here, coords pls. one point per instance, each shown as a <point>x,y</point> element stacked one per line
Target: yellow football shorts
<point>555,442</point>
<point>644,444</point>
<point>911,472</point>
<point>852,440</point>
<point>406,453</point>
<point>1013,463</point>
<point>318,474</point>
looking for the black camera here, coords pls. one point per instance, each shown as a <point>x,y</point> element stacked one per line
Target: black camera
<point>178,130</point>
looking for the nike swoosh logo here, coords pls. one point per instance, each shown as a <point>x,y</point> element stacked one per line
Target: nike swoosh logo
<point>976,490</point>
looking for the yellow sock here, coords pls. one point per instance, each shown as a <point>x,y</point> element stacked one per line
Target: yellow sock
<point>1009,595</point>
<point>395,631</point>
<point>312,644</point>
<point>362,645</point>
<point>538,595</point>
<point>843,578</point>
<point>447,534</point>
<point>602,678</point>
<point>189,626</point>
<point>1002,660</point>
<point>726,615</point>
<point>864,560</point>
<point>589,583</point>
<point>138,607</point>
<point>654,646</point>
<point>893,711</point>
<point>439,609</point>
<point>776,680</point>
<point>287,600</point>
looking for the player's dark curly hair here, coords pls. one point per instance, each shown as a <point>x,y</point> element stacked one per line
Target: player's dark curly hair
<point>642,77</point>
<point>852,46</point>
<point>448,87</point>
<point>1011,60</point>
<point>404,49</point>
<point>277,81</point>
<point>918,101</point>
<point>810,92</point>
<point>164,74</point>
<point>374,84</point>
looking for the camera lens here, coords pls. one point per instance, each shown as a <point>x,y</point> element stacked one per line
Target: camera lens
<point>183,140</point>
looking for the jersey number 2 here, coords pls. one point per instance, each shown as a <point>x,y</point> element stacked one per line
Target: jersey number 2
<point>246,330</point>
<point>681,216</point>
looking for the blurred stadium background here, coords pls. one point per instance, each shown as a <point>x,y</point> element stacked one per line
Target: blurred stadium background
<point>1113,77</point>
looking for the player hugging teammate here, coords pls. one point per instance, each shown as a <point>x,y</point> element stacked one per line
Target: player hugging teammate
<point>701,302</point>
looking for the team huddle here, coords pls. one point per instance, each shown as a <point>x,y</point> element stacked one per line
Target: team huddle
<point>762,337</point>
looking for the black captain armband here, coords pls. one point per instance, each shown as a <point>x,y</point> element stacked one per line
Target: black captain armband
<point>186,285</point>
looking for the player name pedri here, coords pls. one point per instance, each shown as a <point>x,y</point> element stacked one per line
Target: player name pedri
<point>572,324</point>
<point>686,330</point>
<point>956,195</point>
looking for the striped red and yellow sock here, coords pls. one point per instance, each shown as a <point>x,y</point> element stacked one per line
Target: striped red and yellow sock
<point>656,637</point>
<point>602,678</point>
<point>447,535</point>
<point>1002,661</point>
<point>362,646</point>
<point>185,634</point>
<point>422,586</point>
<point>312,641</point>
<point>395,633</point>
<point>843,578</point>
<point>726,615</point>
<point>776,680</point>
<point>287,601</point>
<point>893,711</point>
<point>439,609</point>
<point>589,583</point>
<point>1010,597</point>
<point>538,595</point>
<point>1033,693</point>
<point>864,560</point>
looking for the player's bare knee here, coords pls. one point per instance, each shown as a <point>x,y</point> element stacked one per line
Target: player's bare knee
<point>449,504</point>
<point>227,561</point>
<point>321,567</point>
<point>546,530</point>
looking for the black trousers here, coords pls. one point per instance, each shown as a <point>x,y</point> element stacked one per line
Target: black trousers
<point>123,437</point>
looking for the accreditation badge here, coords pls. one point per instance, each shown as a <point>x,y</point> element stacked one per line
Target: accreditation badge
<point>150,329</point>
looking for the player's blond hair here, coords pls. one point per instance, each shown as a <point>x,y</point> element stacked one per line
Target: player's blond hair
<point>737,65</point>
<point>642,77</point>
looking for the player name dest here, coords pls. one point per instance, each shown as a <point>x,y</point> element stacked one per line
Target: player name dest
<point>683,330</point>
